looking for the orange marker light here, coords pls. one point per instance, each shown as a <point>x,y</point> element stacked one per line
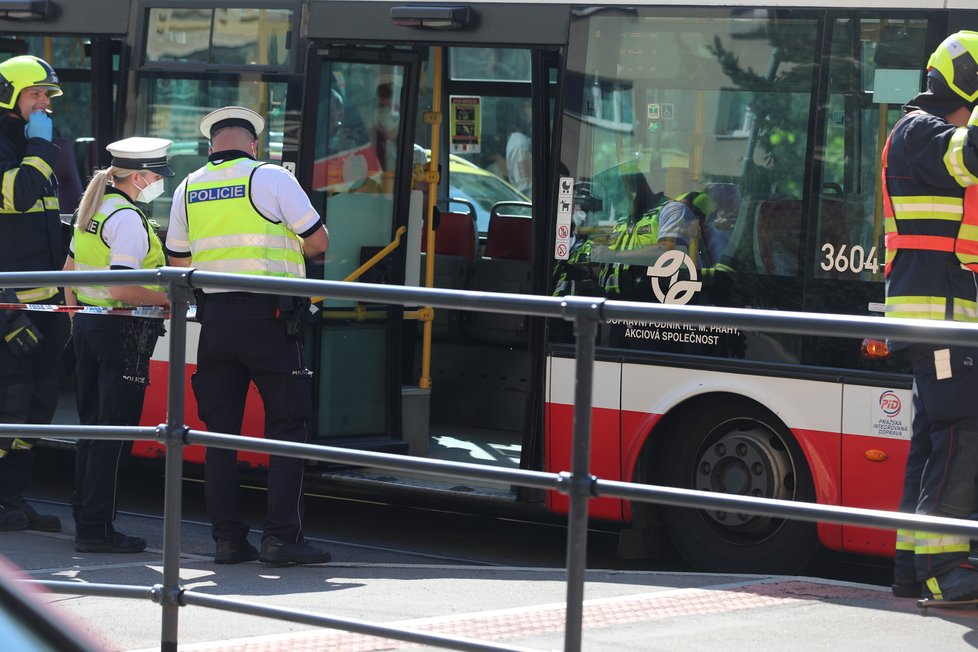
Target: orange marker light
<point>876,455</point>
<point>876,349</point>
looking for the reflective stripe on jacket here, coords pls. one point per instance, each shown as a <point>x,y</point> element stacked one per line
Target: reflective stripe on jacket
<point>226,231</point>
<point>32,237</point>
<point>92,252</point>
<point>925,176</point>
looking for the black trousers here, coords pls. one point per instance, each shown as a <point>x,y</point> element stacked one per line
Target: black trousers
<point>241,341</point>
<point>948,478</point>
<point>29,394</point>
<point>111,374</point>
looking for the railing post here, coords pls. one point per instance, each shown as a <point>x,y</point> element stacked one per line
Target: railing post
<point>581,481</point>
<point>173,487</point>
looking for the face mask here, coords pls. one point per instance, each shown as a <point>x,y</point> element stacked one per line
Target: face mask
<point>150,192</point>
<point>579,217</point>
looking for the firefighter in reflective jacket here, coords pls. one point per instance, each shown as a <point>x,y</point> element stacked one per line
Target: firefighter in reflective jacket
<point>930,168</point>
<point>240,216</point>
<point>31,238</point>
<point>112,352</point>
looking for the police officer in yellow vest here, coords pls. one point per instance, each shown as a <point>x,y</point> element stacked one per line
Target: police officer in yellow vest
<point>930,177</point>
<point>241,216</point>
<point>112,352</point>
<point>31,238</point>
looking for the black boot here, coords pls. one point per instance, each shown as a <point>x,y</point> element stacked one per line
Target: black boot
<point>35,521</point>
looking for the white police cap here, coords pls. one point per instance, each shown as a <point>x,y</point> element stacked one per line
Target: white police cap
<point>232,116</point>
<point>141,153</point>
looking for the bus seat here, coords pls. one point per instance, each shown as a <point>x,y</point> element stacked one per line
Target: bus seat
<point>777,235</point>
<point>505,267</point>
<point>835,222</point>
<point>456,240</point>
<point>69,181</point>
<point>455,236</point>
<point>509,237</point>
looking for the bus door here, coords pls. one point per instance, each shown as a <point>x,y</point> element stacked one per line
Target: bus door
<point>356,158</point>
<point>468,396</point>
<point>485,387</point>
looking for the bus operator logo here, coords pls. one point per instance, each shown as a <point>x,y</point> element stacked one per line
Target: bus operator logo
<point>890,404</point>
<point>665,272</point>
<point>210,194</point>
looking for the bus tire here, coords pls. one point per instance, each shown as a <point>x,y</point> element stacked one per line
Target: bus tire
<point>733,445</point>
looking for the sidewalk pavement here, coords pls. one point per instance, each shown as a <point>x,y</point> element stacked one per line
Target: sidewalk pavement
<point>624,610</point>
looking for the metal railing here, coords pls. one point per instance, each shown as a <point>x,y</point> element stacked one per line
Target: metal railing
<point>586,313</point>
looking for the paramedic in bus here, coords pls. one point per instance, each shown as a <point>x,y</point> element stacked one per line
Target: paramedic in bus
<point>241,216</point>
<point>930,166</point>
<point>31,238</point>
<point>654,225</point>
<point>112,352</point>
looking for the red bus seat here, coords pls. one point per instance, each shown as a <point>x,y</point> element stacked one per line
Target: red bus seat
<point>455,236</point>
<point>777,236</point>
<point>456,241</point>
<point>505,267</point>
<point>509,237</point>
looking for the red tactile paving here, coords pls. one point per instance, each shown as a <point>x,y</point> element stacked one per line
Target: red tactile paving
<point>519,622</point>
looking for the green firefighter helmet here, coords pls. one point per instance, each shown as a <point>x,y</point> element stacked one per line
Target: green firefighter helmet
<point>18,73</point>
<point>955,64</point>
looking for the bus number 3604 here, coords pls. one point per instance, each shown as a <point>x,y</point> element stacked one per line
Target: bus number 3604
<point>854,260</point>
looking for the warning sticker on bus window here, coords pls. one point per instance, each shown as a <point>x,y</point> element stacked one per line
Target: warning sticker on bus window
<point>465,124</point>
<point>565,204</point>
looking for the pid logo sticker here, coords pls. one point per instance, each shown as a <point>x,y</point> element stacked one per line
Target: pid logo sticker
<point>890,404</point>
<point>665,272</point>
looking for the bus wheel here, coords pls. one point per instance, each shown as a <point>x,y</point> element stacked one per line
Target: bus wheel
<point>734,446</point>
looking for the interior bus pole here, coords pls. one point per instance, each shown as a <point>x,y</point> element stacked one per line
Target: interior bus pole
<point>433,119</point>
<point>581,481</point>
<point>173,487</point>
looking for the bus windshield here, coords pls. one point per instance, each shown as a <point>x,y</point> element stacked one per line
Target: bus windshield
<point>692,136</point>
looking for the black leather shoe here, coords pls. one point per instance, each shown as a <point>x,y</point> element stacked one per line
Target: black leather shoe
<point>116,542</point>
<point>234,552</point>
<point>12,519</point>
<point>283,553</point>
<point>35,521</point>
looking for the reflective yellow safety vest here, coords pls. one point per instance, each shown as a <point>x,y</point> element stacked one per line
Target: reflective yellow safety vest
<point>628,237</point>
<point>92,253</point>
<point>228,234</point>
<point>931,224</point>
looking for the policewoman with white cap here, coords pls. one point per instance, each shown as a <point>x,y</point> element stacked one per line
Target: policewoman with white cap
<point>112,352</point>
<point>239,215</point>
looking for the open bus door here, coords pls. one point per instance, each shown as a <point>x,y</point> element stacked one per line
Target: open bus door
<point>467,386</point>
<point>356,161</point>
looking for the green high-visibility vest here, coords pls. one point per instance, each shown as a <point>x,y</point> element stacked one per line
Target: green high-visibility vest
<point>228,234</point>
<point>627,237</point>
<point>92,253</point>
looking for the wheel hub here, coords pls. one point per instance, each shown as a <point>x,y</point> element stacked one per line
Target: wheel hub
<point>747,462</point>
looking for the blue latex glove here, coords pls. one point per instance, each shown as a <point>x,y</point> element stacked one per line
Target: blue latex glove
<point>39,126</point>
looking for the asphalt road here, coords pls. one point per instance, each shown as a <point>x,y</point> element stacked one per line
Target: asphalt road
<point>401,533</point>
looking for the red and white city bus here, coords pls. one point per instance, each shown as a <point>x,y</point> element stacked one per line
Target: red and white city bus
<point>553,125</point>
